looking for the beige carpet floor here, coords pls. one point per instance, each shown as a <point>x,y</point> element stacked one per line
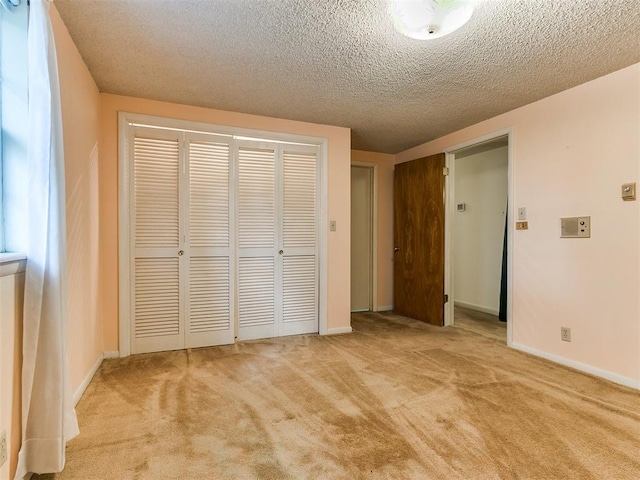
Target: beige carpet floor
<point>396,399</point>
<point>480,323</point>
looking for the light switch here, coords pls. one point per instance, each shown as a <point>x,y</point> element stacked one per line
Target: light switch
<point>332,225</point>
<point>522,214</point>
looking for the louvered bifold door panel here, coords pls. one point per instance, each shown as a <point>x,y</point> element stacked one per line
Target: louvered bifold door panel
<point>208,193</point>
<point>256,298</point>
<point>156,176</point>
<point>209,308</point>
<point>157,300</point>
<point>299,216</point>
<point>156,313</point>
<point>299,240</point>
<point>257,240</point>
<point>256,198</point>
<point>300,295</point>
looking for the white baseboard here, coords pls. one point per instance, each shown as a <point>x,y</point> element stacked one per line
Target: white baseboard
<point>87,380</point>
<point>388,308</point>
<point>112,354</point>
<point>339,330</point>
<point>598,372</point>
<point>478,308</point>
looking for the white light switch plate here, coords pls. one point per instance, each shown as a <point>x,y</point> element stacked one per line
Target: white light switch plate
<point>522,214</point>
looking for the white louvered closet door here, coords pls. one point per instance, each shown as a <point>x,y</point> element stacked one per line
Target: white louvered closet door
<point>277,240</point>
<point>182,286</point>
<point>258,309</point>
<point>156,266</point>
<point>299,233</point>
<point>209,239</point>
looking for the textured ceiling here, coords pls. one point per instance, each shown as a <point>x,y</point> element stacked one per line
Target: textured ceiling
<point>340,62</point>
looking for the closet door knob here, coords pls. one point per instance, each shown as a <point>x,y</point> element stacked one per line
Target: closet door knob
<point>396,249</point>
<point>281,252</point>
<point>181,252</point>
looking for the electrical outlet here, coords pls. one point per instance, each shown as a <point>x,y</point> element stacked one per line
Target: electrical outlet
<point>565,334</point>
<point>3,448</point>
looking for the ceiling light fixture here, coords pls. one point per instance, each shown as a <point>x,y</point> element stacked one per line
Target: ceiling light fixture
<point>429,19</point>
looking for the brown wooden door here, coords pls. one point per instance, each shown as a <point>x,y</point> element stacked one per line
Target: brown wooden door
<point>418,232</point>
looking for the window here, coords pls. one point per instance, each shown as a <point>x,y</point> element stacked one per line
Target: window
<point>2,248</point>
<point>13,123</point>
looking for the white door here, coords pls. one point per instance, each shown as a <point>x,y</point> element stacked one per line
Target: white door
<point>157,266</point>
<point>208,243</point>
<point>223,239</point>
<point>277,240</point>
<point>299,234</point>
<point>182,241</point>
<point>257,242</point>
<point>361,239</point>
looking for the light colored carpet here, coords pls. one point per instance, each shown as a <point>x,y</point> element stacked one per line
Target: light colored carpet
<point>481,323</point>
<point>397,399</point>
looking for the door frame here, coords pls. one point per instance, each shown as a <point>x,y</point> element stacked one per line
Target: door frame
<point>450,209</point>
<point>127,120</point>
<point>374,231</point>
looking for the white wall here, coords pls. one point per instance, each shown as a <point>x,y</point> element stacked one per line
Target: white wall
<point>571,154</point>
<point>481,181</point>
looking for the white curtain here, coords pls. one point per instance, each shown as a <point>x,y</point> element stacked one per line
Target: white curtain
<point>48,416</point>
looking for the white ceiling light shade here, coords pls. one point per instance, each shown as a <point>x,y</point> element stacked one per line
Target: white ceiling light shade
<point>429,19</point>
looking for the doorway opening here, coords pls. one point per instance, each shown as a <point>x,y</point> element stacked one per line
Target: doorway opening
<point>478,238</point>
<point>363,237</point>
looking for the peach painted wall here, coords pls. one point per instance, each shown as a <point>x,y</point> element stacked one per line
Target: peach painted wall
<point>571,154</point>
<point>81,124</point>
<point>11,299</point>
<point>339,144</point>
<point>385,163</point>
